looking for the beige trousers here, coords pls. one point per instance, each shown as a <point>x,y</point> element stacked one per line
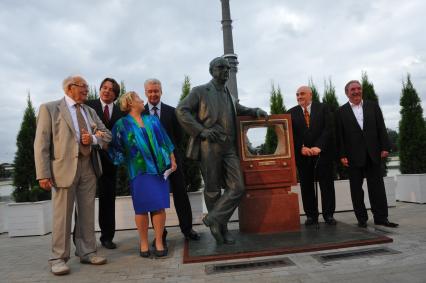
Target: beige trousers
<point>82,192</point>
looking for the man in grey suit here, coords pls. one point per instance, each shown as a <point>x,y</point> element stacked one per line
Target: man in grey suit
<point>213,141</point>
<point>66,129</point>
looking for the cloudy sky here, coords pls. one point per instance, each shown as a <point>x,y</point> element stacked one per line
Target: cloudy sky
<point>279,41</point>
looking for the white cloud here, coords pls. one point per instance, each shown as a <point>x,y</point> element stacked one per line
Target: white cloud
<point>288,42</point>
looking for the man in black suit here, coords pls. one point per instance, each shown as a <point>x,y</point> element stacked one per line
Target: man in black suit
<point>109,113</point>
<point>314,153</point>
<point>363,143</point>
<point>166,113</point>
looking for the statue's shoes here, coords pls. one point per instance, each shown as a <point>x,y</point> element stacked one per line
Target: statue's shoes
<point>214,229</point>
<point>227,237</point>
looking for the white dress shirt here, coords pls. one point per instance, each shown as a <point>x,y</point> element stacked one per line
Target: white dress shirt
<point>307,108</point>
<point>151,111</point>
<point>359,114</point>
<point>73,111</point>
<point>110,107</point>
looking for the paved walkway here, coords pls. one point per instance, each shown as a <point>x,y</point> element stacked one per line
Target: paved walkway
<point>24,259</point>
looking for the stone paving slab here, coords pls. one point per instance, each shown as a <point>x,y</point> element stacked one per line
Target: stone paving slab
<point>24,259</point>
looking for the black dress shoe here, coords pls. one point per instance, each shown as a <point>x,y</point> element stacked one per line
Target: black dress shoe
<point>109,244</point>
<point>192,235</point>
<point>362,224</point>
<point>145,253</point>
<point>311,221</point>
<point>330,220</point>
<point>214,229</point>
<point>386,223</point>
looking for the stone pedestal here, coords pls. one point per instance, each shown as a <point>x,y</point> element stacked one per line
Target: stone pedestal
<point>269,211</point>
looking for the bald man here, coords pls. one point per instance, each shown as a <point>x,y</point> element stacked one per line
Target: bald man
<point>314,151</point>
<point>66,130</point>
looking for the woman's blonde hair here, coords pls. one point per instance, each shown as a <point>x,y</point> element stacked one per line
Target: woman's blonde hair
<point>126,101</point>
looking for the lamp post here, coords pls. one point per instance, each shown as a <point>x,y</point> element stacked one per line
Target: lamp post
<point>228,47</point>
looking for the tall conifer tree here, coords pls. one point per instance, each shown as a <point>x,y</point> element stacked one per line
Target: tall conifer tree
<point>24,176</point>
<point>368,92</point>
<point>191,170</point>
<point>93,93</point>
<point>315,93</point>
<point>277,107</point>
<point>412,131</point>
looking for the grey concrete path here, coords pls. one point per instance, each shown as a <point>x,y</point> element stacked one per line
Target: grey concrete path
<point>24,259</point>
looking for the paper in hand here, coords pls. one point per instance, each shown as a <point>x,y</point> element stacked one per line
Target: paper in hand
<point>167,173</point>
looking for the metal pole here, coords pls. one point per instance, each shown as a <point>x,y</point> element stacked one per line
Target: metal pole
<point>228,47</point>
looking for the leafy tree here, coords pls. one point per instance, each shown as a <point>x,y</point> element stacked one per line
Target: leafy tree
<point>122,90</point>
<point>277,107</point>
<point>329,96</point>
<point>24,176</point>
<point>3,173</point>
<point>315,93</point>
<point>93,93</point>
<point>368,92</point>
<point>412,131</point>
<point>191,168</point>
<point>393,139</point>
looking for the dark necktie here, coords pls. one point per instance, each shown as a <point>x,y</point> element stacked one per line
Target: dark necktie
<point>106,114</point>
<point>306,114</point>
<point>155,111</point>
<point>84,149</point>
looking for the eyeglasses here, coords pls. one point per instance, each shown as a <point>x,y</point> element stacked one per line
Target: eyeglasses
<point>223,67</point>
<point>81,85</point>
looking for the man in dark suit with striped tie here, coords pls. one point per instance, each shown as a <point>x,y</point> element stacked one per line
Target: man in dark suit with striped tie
<point>314,152</point>
<point>109,113</point>
<point>363,144</point>
<point>167,116</point>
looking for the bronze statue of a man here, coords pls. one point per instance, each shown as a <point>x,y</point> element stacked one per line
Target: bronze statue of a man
<point>213,141</point>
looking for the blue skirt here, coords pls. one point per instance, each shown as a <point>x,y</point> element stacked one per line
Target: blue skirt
<point>149,193</point>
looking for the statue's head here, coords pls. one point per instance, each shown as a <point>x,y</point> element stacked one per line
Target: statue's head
<point>219,69</point>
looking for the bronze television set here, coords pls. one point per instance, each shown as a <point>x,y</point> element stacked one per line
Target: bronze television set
<point>269,170</point>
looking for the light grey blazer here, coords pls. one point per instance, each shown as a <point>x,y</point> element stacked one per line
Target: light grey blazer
<point>56,143</point>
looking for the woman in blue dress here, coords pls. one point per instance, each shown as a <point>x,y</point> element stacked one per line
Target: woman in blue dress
<point>140,142</point>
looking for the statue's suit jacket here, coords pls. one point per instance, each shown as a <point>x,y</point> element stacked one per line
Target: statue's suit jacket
<point>203,101</point>
<point>355,142</point>
<point>56,143</point>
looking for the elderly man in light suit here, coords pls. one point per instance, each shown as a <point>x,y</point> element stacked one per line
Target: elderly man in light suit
<point>66,129</point>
